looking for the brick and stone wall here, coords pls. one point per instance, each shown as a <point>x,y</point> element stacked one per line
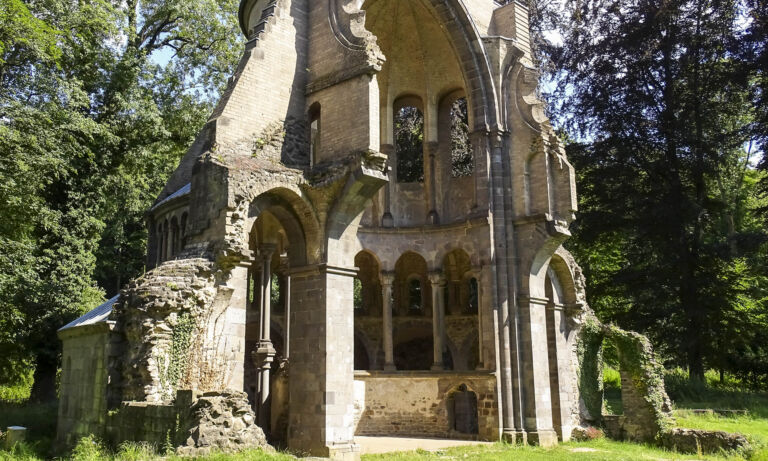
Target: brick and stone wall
<point>410,404</point>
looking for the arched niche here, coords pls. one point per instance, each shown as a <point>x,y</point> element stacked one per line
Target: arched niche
<point>457,270</point>
<point>410,272</point>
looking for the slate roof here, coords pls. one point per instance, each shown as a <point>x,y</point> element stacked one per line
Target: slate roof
<point>98,315</point>
<point>179,193</point>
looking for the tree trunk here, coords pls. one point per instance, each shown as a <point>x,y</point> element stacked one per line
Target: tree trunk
<point>44,387</point>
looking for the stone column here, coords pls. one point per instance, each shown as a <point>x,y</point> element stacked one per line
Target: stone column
<point>534,353</point>
<point>265,353</point>
<point>387,279</point>
<point>387,220</point>
<point>438,318</point>
<point>321,386</point>
<point>287,294</point>
<point>477,273</point>
<point>432,216</point>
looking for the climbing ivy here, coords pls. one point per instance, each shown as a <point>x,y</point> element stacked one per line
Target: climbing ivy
<point>590,374</point>
<point>181,340</point>
<point>636,358</point>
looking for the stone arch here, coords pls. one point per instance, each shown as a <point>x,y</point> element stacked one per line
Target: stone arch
<point>456,265</point>
<point>411,266</point>
<point>369,274</point>
<point>461,403</point>
<point>464,39</point>
<point>297,219</point>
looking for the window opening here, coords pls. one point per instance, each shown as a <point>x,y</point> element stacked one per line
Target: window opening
<point>409,144</point>
<point>462,162</point>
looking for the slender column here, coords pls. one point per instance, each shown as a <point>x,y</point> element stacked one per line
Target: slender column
<point>432,216</point>
<point>265,354</point>
<point>477,274</point>
<point>387,220</point>
<point>438,317</point>
<point>287,298</point>
<point>387,279</point>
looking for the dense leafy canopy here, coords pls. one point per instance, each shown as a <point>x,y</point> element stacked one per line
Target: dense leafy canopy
<point>664,99</point>
<point>98,101</point>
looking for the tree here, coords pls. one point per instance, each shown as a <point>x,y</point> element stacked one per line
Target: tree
<point>654,92</point>
<point>98,101</point>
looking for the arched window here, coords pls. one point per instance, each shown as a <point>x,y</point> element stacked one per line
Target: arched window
<point>462,162</point>
<point>314,133</point>
<point>415,304</point>
<point>409,144</point>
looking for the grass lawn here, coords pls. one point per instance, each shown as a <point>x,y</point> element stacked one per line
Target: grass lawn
<point>41,421</point>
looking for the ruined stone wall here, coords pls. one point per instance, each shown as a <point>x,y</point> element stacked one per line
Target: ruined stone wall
<point>164,317</point>
<point>416,403</point>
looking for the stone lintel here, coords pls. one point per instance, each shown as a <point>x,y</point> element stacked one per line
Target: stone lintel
<point>316,269</point>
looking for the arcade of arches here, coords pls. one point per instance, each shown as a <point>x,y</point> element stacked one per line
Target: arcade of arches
<point>365,239</point>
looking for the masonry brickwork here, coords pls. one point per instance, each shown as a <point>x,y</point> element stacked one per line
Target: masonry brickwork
<point>288,204</point>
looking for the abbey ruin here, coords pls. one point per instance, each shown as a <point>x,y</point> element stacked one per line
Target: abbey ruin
<point>365,239</point>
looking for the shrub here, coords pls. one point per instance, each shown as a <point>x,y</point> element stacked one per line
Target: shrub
<point>88,449</point>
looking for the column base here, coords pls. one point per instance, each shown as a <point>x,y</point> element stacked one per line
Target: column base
<point>543,438</point>
<point>514,437</point>
<point>438,367</point>
<point>387,220</point>
<point>390,367</point>
<point>344,452</point>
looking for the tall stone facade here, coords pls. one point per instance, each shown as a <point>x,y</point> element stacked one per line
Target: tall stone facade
<point>303,254</point>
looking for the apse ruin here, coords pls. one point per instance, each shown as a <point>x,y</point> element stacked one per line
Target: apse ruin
<point>365,239</point>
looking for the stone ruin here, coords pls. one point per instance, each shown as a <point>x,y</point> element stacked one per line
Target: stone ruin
<point>365,238</point>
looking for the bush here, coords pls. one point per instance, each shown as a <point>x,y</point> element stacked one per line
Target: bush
<point>89,449</point>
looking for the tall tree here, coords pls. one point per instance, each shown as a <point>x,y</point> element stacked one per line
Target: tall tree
<point>653,91</point>
<point>98,101</point>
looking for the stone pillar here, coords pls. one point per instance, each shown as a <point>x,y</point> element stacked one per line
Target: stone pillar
<point>534,352</point>
<point>559,369</point>
<point>321,387</point>
<point>477,273</point>
<point>287,294</point>
<point>438,318</point>
<point>387,220</point>
<point>387,279</point>
<point>432,216</point>
<point>265,353</point>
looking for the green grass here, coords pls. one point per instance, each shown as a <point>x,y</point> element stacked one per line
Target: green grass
<point>41,421</point>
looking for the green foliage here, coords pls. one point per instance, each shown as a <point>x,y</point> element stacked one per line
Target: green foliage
<point>409,144</point>
<point>462,162</point>
<point>88,449</point>
<point>611,379</point>
<point>590,372</point>
<point>98,101</point>
<point>664,113</point>
<point>181,342</point>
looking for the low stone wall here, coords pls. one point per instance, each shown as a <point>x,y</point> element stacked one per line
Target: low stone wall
<point>707,442</point>
<point>143,422</point>
<point>420,403</point>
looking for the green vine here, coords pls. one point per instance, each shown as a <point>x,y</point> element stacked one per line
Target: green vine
<point>181,340</point>
<point>590,376</point>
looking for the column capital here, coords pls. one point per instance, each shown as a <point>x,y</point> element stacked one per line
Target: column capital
<point>437,278</point>
<point>387,278</point>
<point>267,249</point>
